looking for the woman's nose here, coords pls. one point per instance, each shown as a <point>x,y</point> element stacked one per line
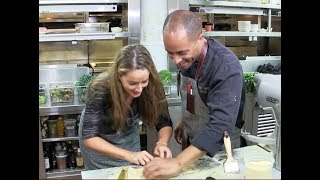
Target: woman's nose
<point>139,88</point>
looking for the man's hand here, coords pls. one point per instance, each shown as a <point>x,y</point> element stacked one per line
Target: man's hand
<point>162,168</point>
<point>140,158</point>
<point>162,150</point>
<point>179,133</point>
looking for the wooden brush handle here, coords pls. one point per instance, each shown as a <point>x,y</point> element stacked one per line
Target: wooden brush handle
<point>227,145</point>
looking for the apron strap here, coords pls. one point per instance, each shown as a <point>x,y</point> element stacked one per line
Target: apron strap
<point>201,60</point>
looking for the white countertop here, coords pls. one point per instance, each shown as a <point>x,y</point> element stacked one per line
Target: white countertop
<point>209,167</point>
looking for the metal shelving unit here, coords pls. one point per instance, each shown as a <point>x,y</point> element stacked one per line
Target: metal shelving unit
<point>233,4</point>
<point>84,2</point>
<point>60,110</point>
<point>238,8</point>
<point>81,36</point>
<point>238,33</point>
<point>60,139</point>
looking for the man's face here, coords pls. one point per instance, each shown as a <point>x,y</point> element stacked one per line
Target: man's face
<point>181,49</point>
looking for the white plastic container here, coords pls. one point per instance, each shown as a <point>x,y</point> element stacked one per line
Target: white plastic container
<point>258,166</point>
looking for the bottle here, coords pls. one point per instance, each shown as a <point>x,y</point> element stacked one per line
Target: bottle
<point>79,158</point>
<point>52,158</point>
<point>71,156</point>
<point>46,158</point>
<point>60,127</point>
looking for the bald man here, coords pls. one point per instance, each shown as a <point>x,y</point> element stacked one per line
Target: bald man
<point>212,92</point>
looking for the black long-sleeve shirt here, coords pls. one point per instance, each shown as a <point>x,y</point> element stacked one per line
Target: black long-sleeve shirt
<point>98,119</point>
<point>221,77</point>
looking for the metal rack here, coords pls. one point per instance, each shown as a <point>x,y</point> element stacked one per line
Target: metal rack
<point>239,8</point>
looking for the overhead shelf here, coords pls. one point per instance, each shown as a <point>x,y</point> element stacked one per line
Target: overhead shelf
<point>60,139</point>
<point>233,4</point>
<point>79,6</point>
<point>48,2</point>
<point>81,36</point>
<point>238,33</point>
<point>60,110</point>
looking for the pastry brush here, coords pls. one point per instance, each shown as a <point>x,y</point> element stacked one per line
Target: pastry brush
<point>230,165</point>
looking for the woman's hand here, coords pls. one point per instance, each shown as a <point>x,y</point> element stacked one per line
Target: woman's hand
<point>140,158</point>
<point>179,133</point>
<point>162,150</point>
<point>162,168</point>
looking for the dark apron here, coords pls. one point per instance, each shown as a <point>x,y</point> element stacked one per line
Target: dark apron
<point>196,117</point>
<point>194,111</point>
<point>129,140</point>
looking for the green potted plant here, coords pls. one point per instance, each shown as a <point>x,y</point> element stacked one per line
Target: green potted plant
<point>82,86</point>
<point>250,84</point>
<point>166,78</point>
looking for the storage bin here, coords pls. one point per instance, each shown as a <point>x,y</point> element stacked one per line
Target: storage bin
<point>61,93</point>
<point>70,127</point>
<point>92,27</point>
<point>42,95</point>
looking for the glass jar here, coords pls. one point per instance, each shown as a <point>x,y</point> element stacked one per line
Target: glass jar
<point>70,127</point>
<point>52,128</point>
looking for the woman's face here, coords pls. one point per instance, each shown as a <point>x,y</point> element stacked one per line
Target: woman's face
<point>134,81</point>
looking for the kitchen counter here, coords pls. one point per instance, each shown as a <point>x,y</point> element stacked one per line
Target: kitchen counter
<point>205,166</point>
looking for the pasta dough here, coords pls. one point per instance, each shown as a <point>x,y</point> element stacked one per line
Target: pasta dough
<point>137,172</point>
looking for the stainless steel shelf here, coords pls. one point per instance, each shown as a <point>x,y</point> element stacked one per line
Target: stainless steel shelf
<point>238,33</point>
<point>233,4</point>
<point>48,2</point>
<point>60,110</point>
<point>60,139</point>
<point>81,36</point>
<point>64,174</point>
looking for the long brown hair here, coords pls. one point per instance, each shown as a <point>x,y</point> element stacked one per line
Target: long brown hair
<point>152,101</point>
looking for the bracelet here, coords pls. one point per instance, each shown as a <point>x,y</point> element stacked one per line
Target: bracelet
<point>161,143</point>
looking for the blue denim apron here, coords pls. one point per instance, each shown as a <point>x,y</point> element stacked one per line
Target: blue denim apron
<point>129,140</point>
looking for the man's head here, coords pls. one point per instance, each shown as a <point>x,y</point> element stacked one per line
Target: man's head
<point>182,36</point>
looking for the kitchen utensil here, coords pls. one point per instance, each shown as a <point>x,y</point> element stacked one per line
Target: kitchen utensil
<point>230,165</point>
<point>122,174</point>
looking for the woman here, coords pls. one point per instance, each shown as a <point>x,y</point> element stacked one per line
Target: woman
<point>116,102</point>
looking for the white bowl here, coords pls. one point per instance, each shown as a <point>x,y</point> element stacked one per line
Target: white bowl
<point>116,29</point>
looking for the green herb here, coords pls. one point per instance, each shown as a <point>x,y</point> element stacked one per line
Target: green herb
<point>42,99</point>
<point>84,80</point>
<point>248,78</point>
<point>165,77</point>
<point>82,86</point>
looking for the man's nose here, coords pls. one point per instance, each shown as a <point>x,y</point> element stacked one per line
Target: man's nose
<point>177,59</point>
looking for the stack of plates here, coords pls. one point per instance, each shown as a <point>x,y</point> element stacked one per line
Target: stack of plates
<point>244,26</point>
